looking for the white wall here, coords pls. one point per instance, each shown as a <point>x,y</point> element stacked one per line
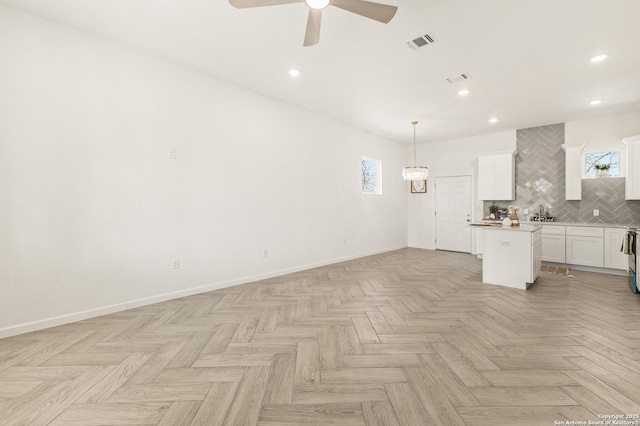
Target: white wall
<point>92,211</point>
<point>602,132</point>
<point>456,157</point>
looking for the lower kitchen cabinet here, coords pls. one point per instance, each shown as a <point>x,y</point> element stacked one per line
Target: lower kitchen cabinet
<point>584,246</point>
<point>553,244</point>
<point>511,256</point>
<point>613,257</point>
<point>585,251</point>
<point>479,242</point>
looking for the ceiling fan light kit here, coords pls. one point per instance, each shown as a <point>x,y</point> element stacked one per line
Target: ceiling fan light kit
<point>376,11</point>
<point>415,172</point>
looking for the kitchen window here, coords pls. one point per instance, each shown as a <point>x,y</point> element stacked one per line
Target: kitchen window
<point>602,164</point>
<point>371,176</point>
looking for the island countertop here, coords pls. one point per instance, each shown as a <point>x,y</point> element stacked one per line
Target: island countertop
<point>521,228</point>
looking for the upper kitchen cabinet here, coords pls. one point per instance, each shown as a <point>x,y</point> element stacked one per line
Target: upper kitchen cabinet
<point>497,176</point>
<point>573,171</point>
<point>632,182</point>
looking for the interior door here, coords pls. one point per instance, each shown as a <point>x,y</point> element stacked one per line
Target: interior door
<point>453,213</point>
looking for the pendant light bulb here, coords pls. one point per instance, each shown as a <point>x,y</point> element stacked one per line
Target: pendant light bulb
<point>415,172</point>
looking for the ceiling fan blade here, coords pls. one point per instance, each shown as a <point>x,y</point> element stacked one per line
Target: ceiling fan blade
<point>312,36</point>
<point>243,4</point>
<point>376,11</point>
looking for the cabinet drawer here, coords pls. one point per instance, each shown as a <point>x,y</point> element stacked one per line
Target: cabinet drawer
<point>553,230</point>
<point>584,231</point>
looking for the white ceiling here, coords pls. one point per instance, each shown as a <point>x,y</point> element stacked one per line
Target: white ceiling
<point>528,59</point>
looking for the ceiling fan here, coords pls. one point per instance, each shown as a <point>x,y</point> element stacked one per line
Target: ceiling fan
<point>376,11</point>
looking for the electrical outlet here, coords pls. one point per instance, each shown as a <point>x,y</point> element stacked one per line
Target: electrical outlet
<point>526,211</point>
<point>596,212</point>
<point>172,154</point>
<point>175,264</point>
<point>265,253</point>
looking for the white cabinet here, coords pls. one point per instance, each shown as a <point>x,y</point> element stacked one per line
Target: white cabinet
<point>486,177</point>
<point>585,246</point>
<point>479,241</point>
<point>553,244</point>
<point>632,181</point>
<point>613,257</point>
<point>496,176</point>
<point>536,259</point>
<point>573,171</point>
<point>511,256</point>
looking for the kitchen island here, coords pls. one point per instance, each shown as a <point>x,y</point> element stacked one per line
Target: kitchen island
<point>512,255</point>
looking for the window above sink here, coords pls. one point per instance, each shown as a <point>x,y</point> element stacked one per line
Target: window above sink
<point>601,164</point>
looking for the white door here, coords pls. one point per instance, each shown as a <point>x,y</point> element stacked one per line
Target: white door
<point>453,213</point>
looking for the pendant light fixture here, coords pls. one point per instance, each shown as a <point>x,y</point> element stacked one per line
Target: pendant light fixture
<point>415,172</point>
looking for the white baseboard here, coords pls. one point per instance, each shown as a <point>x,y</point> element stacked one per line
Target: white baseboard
<point>422,247</point>
<point>105,310</point>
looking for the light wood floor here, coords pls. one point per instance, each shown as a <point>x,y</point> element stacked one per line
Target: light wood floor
<point>409,337</point>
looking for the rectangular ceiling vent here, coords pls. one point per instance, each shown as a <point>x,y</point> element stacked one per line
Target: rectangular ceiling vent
<point>459,78</point>
<point>421,41</point>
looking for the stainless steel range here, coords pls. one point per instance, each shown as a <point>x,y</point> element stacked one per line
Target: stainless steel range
<point>632,241</point>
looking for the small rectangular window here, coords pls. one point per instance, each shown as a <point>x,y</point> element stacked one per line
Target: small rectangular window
<point>371,176</point>
<point>602,163</point>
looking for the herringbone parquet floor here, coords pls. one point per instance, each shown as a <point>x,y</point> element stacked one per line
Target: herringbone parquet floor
<point>409,337</point>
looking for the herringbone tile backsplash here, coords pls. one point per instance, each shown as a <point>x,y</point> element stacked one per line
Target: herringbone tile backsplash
<point>540,179</point>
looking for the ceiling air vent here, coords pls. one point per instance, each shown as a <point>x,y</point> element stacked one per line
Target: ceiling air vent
<point>421,41</point>
<point>459,78</point>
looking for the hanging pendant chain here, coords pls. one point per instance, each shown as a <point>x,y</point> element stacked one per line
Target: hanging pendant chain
<point>414,143</point>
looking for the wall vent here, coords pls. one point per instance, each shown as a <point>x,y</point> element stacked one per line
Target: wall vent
<point>423,40</point>
<point>459,78</point>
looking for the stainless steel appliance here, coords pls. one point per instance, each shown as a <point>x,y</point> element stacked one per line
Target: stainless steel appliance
<point>632,241</point>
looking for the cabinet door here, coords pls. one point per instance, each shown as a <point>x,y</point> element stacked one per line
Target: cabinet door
<point>586,251</point>
<point>536,260</point>
<point>632,181</point>
<point>613,257</point>
<point>503,177</point>
<point>479,241</point>
<point>486,180</point>
<point>553,248</point>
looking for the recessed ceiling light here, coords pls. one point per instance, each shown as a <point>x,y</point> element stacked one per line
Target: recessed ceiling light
<point>294,73</point>
<point>595,102</point>
<point>493,120</point>
<point>599,58</point>
<point>317,4</point>
<point>463,92</point>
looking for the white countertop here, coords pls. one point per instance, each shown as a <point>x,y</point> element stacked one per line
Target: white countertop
<point>521,228</point>
<point>589,224</point>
